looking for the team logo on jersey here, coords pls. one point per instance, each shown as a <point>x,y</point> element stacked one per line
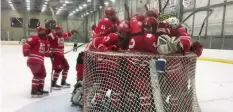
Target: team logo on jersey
<point>30,39</point>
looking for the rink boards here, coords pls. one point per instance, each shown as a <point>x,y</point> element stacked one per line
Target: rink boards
<point>211,55</point>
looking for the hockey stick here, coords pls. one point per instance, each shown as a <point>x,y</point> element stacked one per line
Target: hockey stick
<point>204,21</point>
<point>51,76</point>
<point>145,6</point>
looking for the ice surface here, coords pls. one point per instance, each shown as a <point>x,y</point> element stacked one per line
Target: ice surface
<point>214,83</point>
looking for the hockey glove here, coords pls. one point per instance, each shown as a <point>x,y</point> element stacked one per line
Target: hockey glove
<point>167,45</point>
<point>197,48</point>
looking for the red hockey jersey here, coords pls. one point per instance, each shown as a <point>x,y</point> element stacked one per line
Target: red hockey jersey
<point>110,42</point>
<point>57,43</point>
<point>36,48</point>
<point>105,26</point>
<point>143,43</point>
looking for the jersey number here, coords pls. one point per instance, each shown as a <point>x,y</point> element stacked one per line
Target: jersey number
<point>42,48</point>
<point>60,41</point>
<point>132,43</point>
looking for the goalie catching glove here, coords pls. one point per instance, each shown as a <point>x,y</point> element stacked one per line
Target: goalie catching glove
<point>167,45</point>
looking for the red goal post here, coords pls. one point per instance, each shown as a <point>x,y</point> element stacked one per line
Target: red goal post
<point>130,82</point>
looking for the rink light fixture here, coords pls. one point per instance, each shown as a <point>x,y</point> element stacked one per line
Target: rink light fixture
<point>28,1</point>
<point>80,7</point>
<point>101,7</point>
<point>46,3</point>
<point>84,5</point>
<point>10,2</point>
<point>77,10</point>
<point>113,1</point>
<point>106,3</point>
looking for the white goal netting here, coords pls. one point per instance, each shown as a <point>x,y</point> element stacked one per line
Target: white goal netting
<point>131,82</point>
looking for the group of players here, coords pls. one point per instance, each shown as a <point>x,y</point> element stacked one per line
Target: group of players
<point>47,43</point>
<point>141,33</point>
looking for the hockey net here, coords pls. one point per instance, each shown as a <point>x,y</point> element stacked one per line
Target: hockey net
<point>130,82</point>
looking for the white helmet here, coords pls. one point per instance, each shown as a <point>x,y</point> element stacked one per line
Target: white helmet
<point>173,22</point>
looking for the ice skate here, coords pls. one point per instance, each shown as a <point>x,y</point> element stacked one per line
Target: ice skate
<point>55,86</point>
<point>64,84</point>
<point>36,94</point>
<point>45,93</point>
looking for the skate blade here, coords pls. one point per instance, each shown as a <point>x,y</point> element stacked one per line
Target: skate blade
<point>45,95</point>
<point>65,86</point>
<point>56,88</point>
<point>36,96</point>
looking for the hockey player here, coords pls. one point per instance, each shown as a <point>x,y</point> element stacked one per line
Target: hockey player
<point>60,63</point>
<point>136,23</point>
<point>107,24</point>
<point>36,48</point>
<point>113,41</point>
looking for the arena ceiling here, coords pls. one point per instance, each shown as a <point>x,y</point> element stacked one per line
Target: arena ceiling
<point>60,7</point>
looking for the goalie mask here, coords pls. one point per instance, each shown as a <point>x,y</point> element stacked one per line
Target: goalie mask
<point>173,22</point>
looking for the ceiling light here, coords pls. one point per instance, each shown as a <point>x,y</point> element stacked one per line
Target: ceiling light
<point>87,13</point>
<point>67,2</point>
<point>91,11</point>
<point>28,1</point>
<point>101,7</point>
<point>81,7</point>
<point>64,4</point>
<point>113,0</point>
<point>84,5</point>
<point>11,5</point>
<point>28,8</point>
<point>106,3</point>
<point>45,2</point>
<point>77,10</point>
<point>9,2</point>
<point>61,7</point>
<point>44,5</point>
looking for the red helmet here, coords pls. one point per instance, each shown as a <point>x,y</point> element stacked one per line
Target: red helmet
<point>149,21</point>
<point>152,13</point>
<point>57,27</point>
<point>123,27</point>
<point>110,11</point>
<point>40,28</point>
<point>140,17</point>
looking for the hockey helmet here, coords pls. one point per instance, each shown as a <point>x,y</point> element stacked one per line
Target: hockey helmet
<point>173,22</point>
<point>152,13</point>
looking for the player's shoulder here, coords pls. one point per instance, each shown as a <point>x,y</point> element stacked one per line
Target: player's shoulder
<point>33,37</point>
<point>112,35</point>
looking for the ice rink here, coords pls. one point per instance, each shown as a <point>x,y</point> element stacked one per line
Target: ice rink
<point>214,83</point>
